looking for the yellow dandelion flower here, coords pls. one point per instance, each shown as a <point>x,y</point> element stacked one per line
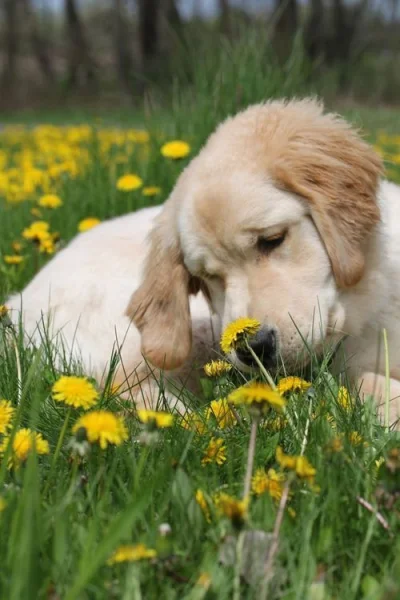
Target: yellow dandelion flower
<point>46,245</point>
<point>271,482</point>
<point>204,580</point>
<point>156,418</point>
<point>285,460</point>
<point>259,395</point>
<point>216,368</point>
<point>344,398</point>
<point>129,182</point>
<point>335,445</point>
<point>50,201</point>
<point>151,190</point>
<point>215,452</point>
<point>140,136</point>
<point>221,411</point>
<point>36,230</point>
<point>299,464</point>
<point>131,553</point>
<point>6,414</point>
<point>202,502</point>
<point>331,420</point>
<point>75,391</point>
<point>356,438</point>
<point>13,259</point>
<point>236,332</point>
<point>21,445</point>
<point>292,384</point>
<point>88,223</point>
<point>231,507</point>
<point>3,311</point>
<point>103,427</point>
<point>304,468</point>
<point>17,247</point>
<point>276,424</point>
<point>194,422</point>
<point>175,149</point>
<point>35,212</point>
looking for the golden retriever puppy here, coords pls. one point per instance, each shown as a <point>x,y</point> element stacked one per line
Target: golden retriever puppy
<point>283,217</point>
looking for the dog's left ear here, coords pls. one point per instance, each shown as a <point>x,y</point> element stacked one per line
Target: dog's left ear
<point>160,306</point>
<point>326,162</point>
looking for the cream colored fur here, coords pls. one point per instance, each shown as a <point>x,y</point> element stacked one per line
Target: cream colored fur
<point>79,300</point>
<point>277,168</point>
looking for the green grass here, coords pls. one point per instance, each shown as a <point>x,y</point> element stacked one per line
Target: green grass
<point>64,514</point>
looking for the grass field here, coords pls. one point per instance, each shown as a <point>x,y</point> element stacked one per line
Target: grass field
<point>173,495</point>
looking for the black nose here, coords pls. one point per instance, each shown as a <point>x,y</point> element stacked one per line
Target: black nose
<point>263,344</point>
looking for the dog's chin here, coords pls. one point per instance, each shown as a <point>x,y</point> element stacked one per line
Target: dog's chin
<point>246,368</point>
<point>288,366</point>
<point>241,366</point>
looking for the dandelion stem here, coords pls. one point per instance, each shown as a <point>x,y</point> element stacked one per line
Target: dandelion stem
<point>238,566</point>
<point>387,380</point>
<point>250,457</point>
<point>58,448</point>
<point>307,427</point>
<point>19,369</point>
<point>275,539</point>
<point>237,417</point>
<point>273,386</point>
<point>381,519</point>
<point>261,366</point>
<point>140,465</point>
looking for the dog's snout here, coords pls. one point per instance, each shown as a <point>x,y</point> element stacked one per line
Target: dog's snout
<point>264,346</point>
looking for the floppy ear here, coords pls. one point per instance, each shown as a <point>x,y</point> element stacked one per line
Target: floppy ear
<point>160,306</point>
<point>327,162</point>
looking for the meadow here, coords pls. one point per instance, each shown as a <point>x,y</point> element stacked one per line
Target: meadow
<point>271,493</point>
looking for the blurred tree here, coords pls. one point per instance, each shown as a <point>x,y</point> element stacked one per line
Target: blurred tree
<point>122,49</point>
<point>225,16</point>
<point>314,35</point>
<point>286,23</point>
<point>347,21</point>
<point>149,21</point>
<point>11,43</point>
<point>39,43</point>
<point>79,57</point>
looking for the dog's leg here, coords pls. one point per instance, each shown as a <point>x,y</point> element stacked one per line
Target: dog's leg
<point>371,384</point>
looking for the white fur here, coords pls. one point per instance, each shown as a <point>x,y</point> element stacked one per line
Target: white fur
<point>81,295</point>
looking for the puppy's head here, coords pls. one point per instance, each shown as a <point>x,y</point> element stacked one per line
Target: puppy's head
<point>271,220</point>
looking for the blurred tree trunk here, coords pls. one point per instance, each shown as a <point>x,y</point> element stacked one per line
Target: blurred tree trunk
<point>346,22</point>
<point>79,53</point>
<point>39,43</point>
<point>11,43</point>
<point>149,20</point>
<point>314,30</point>
<point>121,39</point>
<point>225,16</point>
<point>174,21</point>
<point>286,21</point>
<point>342,31</point>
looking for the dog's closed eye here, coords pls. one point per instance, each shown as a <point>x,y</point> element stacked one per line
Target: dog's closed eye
<point>266,245</point>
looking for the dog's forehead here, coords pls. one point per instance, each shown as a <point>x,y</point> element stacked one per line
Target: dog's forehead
<point>222,210</point>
